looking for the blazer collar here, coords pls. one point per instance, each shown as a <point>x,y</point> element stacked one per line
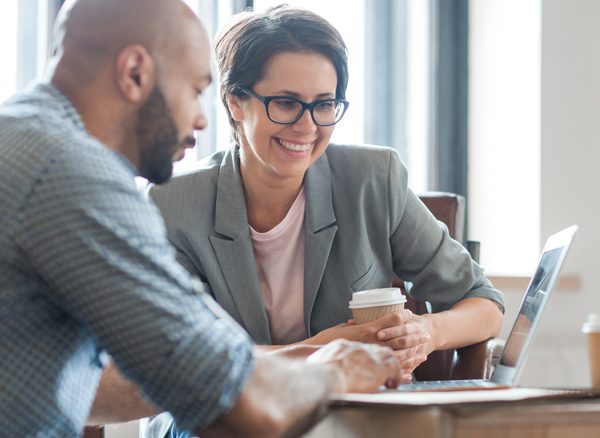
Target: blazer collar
<point>234,252</point>
<point>231,217</point>
<point>320,229</point>
<point>319,202</point>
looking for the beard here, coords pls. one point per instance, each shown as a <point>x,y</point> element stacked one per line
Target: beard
<point>158,138</point>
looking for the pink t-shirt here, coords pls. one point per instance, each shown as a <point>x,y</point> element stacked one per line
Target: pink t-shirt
<point>279,257</point>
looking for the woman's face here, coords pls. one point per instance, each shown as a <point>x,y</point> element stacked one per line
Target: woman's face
<point>279,151</point>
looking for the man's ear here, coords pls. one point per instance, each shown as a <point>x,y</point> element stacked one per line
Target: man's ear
<point>135,73</point>
<point>234,105</point>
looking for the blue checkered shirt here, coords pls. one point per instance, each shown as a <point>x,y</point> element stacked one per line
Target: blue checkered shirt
<point>85,267</point>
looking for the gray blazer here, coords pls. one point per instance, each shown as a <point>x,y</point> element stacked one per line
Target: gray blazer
<point>362,225</point>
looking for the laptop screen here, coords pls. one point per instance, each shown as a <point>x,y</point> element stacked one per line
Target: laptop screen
<point>532,307</point>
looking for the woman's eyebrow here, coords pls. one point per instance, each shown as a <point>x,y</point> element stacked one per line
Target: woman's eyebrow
<point>297,95</point>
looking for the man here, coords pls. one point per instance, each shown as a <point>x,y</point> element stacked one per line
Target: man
<point>85,266</point>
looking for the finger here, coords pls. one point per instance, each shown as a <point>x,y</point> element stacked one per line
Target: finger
<point>393,319</point>
<point>407,358</point>
<point>404,329</point>
<point>369,366</point>
<point>406,378</point>
<point>387,358</point>
<point>412,363</point>
<point>391,383</point>
<point>419,340</point>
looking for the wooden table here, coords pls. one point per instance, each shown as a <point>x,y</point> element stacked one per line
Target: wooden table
<point>523,419</point>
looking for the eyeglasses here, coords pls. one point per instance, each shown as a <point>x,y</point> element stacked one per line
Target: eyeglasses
<point>287,110</point>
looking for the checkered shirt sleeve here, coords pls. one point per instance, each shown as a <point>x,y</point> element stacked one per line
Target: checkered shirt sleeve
<point>86,267</point>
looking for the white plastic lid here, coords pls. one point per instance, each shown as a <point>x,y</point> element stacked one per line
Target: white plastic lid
<point>592,324</point>
<point>377,297</point>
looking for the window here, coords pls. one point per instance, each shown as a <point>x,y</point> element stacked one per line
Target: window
<point>504,133</point>
<point>8,48</point>
<point>25,29</point>
<point>402,105</point>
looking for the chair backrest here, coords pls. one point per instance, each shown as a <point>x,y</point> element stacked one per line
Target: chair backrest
<point>448,208</point>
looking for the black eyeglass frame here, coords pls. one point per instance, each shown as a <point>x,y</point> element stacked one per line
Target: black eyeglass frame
<point>305,106</point>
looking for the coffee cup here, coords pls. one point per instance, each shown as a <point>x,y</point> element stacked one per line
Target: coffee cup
<point>368,305</point>
<point>592,329</point>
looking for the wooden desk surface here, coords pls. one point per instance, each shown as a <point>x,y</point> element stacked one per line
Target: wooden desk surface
<point>525,419</point>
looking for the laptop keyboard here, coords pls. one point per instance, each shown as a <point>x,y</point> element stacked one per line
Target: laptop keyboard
<point>449,385</point>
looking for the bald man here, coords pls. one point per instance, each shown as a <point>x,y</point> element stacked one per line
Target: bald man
<point>85,265</point>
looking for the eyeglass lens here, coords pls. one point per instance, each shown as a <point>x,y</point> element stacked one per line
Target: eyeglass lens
<point>284,110</point>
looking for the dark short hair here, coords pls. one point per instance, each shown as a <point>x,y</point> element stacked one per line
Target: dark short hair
<point>244,47</point>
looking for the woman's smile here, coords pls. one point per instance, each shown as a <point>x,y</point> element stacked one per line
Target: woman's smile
<point>296,147</point>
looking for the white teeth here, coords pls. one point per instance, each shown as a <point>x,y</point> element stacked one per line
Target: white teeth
<point>295,146</point>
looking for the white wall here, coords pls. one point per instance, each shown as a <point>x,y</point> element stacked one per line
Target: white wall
<point>570,184</point>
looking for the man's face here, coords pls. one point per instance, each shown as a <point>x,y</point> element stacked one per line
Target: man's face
<point>159,138</point>
<point>172,111</point>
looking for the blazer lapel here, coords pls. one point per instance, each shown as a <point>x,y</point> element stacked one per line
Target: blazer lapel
<point>233,249</point>
<point>320,229</point>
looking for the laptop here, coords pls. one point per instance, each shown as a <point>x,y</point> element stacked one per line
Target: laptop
<point>510,363</point>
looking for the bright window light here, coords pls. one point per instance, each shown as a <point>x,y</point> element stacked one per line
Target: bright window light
<point>504,133</point>
<point>8,48</point>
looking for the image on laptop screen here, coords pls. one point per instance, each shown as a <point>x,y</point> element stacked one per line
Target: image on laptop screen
<point>530,310</point>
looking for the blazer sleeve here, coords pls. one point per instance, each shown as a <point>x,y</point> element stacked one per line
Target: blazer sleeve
<point>438,267</point>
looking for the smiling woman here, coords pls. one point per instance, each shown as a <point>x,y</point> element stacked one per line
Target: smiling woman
<point>284,226</point>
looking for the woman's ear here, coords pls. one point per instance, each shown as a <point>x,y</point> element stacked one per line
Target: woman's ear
<point>235,108</point>
<point>135,73</point>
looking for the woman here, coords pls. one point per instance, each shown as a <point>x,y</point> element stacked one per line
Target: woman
<point>283,227</point>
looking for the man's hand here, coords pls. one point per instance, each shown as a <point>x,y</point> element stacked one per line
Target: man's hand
<point>364,367</point>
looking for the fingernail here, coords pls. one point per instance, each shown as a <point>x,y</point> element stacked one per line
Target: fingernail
<point>381,335</point>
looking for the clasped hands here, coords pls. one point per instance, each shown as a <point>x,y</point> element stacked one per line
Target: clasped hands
<point>409,335</point>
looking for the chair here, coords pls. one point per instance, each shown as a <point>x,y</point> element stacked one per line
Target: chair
<point>93,432</point>
<point>471,362</point>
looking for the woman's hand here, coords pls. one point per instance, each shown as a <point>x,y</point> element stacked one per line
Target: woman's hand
<point>406,333</point>
<point>397,330</point>
<point>401,333</point>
